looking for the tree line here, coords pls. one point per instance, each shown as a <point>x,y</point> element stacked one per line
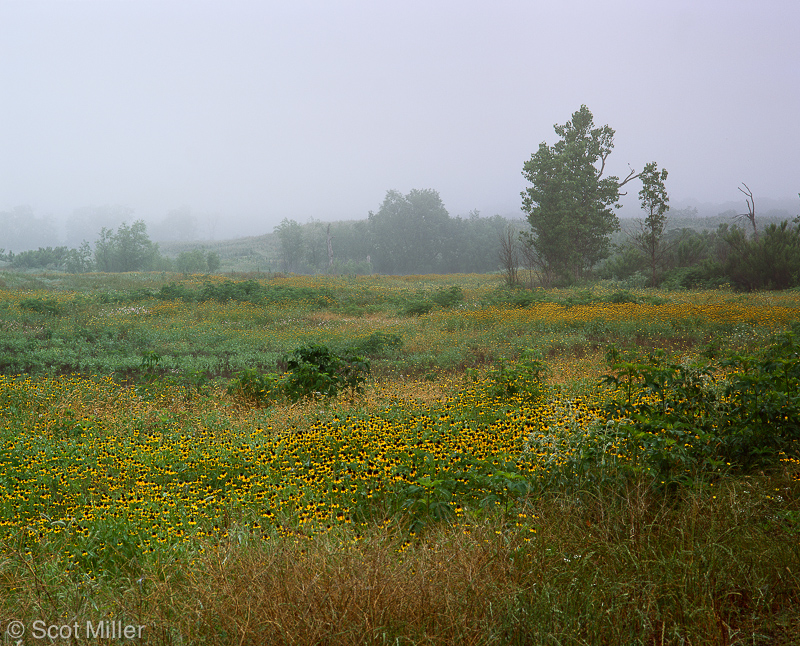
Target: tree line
<point>570,206</point>
<point>128,248</point>
<point>408,234</point>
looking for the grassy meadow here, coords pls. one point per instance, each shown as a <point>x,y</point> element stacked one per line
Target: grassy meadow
<point>576,466</point>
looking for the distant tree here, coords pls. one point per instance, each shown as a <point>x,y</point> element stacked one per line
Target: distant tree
<point>133,249</point>
<point>127,249</point>
<point>41,258</point>
<point>290,234</point>
<point>570,203</point>
<point>769,262</point>
<point>21,230</point>
<point>653,198</point>
<point>213,261</point>
<point>197,261</point>
<point>79,260</point>
<point>409,232</point>
<point>104,250</point>
<point>192,262</point>
<point>509,255</point>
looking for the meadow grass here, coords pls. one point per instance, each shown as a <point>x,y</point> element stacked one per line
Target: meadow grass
<point>457,500</point>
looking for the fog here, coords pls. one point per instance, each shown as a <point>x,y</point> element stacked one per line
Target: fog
<point>237,115</point>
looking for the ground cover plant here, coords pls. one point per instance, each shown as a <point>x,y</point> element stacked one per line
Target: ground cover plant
<point>589,466</point>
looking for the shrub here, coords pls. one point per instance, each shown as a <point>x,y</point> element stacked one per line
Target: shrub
<point>623,296</point>
<point>315,370</point>
<point>378,344</point>
<point>47,306</point>
<point>253,386</point>
<point>248,291</point>
<point>521,379</point>
<point>770,262</point>
<point>678,425</point>
<point>417,308</point>
<point>448,297</point>
<point>514,297</point>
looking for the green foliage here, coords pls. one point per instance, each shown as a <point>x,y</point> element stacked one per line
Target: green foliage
<point>197,261</point>
<point>569,203</point>
<point>521,379</point>
<point>417,307</point>
<point>255,387</point>
<point>213,261</point>
<point>49,306</point>
<point>316,371</point>
<point>41,258</point>
<point>248,291</point>
<point>290,234</point>
<point>409,232</point>
<point>649,240</point>
<point>772,261</point>
<point>762,416</point>
<point>175,291</point>
<point>378,344</point>
<point>448,297</point>
<point>127,249</point>
<point>623,296</point>
<point>680,421</point>
<point>514,297</point>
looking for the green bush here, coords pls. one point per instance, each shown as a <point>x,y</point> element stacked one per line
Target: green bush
<point>255,387</point>
<point>679,420</point>
<point>378,344</point>
<point>248,291</point>
<point>417,308</point>
<point>522,379</point>
<point>514,297</point>
<point>623,296</point>
<point>770,262</point>
<point>316,371</point>
<point>47,306</point>
<point>174,292</point>
<point>448,297</point>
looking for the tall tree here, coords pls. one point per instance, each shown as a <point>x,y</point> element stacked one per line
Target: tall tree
<point>127,249</point>
<point>654,201</point>
<point>570,203</point>
<point>409,232</point>
<point>290,233</point>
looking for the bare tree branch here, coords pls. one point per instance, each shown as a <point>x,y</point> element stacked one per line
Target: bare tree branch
<point>751,208</point>
<point>631,176</point>
<point>509,257</point>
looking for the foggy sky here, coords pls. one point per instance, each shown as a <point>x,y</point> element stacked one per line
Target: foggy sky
<point>257,111</point>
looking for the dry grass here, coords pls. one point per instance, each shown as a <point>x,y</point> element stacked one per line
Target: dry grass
<point>627,567</point>
<point>442,591</point>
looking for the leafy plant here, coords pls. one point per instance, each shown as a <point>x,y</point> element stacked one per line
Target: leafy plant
<point>448,297</point>
<point>315,370</point>
<point>252,385</point>
<point>49,306</point>
<point>378,344</point>
<point>522,378</point>
<point>417,308</point>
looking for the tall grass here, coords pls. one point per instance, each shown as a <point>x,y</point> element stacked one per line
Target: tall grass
<point>468,495</point>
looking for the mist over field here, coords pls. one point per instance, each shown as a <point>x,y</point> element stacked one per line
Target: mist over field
<point>215,120</point>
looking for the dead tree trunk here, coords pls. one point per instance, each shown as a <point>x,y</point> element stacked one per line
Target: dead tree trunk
<point>751,209</point>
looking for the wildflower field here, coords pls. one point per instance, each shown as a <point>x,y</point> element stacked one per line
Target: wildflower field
<point>581,466</point>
